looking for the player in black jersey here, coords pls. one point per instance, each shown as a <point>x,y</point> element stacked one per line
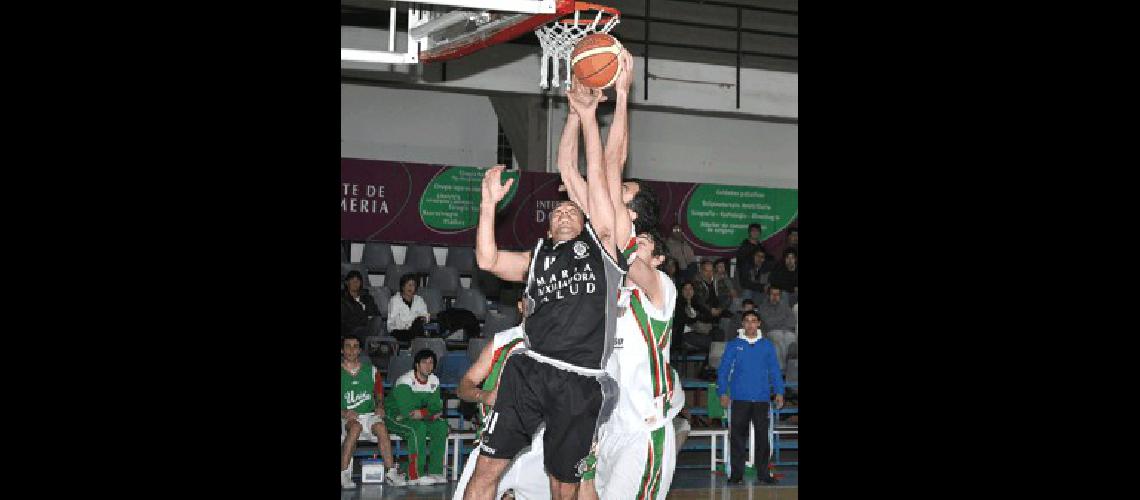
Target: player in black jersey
<point>572,280</point>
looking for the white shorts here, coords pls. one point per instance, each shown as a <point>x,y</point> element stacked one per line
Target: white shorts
<point>526,474</point>
<point>625,469</point>
<point>367,420</point>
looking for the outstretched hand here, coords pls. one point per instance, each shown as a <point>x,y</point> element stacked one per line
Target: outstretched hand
<point>583,100</point>
<point>493,188</point>
<point>625,75</point>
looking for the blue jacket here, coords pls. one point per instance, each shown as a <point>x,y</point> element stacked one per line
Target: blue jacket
<point>750,372</point>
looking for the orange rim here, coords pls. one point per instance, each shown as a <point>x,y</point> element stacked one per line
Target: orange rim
<point>607,13</point>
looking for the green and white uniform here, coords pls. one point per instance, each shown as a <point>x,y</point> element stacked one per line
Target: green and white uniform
<point>637,447</point>
<point>526,474</point>
<point>409,396</point>
<point>357,393</point>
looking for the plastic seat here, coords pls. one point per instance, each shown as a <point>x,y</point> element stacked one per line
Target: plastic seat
<point>446,280</point>
<point>452,366</point>
<point>346,267</point>
<point>421,258</point>
<point>475,346</point>
<point>381,350</point>
<point>433,299</point>
<point>381,294</point>
<point>498,321</point>
<point>435,344</point>
<point>473,300</point>
<point>394,272</point>
<point>716,352</point>
<point>398,365</point>
<point>462,259</point>
<point>377,256</point>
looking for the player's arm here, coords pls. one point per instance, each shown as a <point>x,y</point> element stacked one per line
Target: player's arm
<point>469,385</point>
<point>510,266</point>
<point>567,160</point>
<point>645,277</point>
<point>584,101</point>
<point>617,149</point>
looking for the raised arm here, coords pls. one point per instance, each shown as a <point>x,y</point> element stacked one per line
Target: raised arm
<point>510,266</point>
<point>584,101</point>
<point>617,149</point>
<point>568,162</point>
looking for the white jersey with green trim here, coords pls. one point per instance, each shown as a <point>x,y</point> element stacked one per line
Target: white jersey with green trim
<point>650,394</point>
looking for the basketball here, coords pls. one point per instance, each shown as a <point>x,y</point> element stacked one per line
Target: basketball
<point>595,60</point>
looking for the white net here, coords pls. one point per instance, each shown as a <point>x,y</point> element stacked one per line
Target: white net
<point>558,39</point>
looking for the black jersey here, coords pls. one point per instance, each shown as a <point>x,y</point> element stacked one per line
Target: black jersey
<point>572,296</point>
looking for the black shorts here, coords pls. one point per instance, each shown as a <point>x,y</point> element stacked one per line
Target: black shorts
<point>531,393</point>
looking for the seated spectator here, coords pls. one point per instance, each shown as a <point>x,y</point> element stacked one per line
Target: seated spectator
<point>727,288</point>
<point>356,304</point>
<point>754,275</point>
<point>787,278</point>
<point>692,319</point>
<point>709,295</point>
<point>779,324</point>
<point>407,312</point>
<point>681,251</point>
<point>750,244</point>
<point>416,414</point>
<point>362,412</point>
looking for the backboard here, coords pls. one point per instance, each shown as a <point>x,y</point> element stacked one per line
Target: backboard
<point>439,30</point>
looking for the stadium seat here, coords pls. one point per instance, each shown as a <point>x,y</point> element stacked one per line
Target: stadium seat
<point>377,256</point>
<point>792,374</point>
<point>398,365</point>
<point>377,327</point>
<point>451,370</point>
<point>393,273</point>
<point>716,351</point>
<point>420,258</point>
<point>473,300</point>
<point>345,267</point>
<point>433,299</point>
<point>381,294</point>
<point>446,280</point>
<point>475,346</point>
<point>498,321</point>
<point>382,349</point>
<point>435,344</point>
<point>462,259</point>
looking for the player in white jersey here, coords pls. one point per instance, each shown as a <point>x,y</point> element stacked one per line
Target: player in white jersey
<point>525,477</point>
<point>636,452</point>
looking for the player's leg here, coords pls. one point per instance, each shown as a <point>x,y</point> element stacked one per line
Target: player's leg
<point>485,479</point>
<point>352,430</point>
<point>668,461</point>
<point>571,406</point>
<point>509,427</point>
<point>384,442</point>
<point>760,444</point>
<point>406,429</point>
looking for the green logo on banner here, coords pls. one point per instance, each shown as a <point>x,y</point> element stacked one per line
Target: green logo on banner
<point>451,201</point>
<point>719,215</point>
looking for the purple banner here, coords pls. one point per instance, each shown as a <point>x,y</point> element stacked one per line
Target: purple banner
<point>406,203</point>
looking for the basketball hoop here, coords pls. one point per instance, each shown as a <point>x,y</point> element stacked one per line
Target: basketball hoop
<point>559,37</point>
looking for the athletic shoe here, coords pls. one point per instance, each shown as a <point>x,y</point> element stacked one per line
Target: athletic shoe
<point>420,481</point>
<point>394,478</point>
<point>438,478</point>
<point>767,479</point>
<point>735,479</point>
<point>346,479</point>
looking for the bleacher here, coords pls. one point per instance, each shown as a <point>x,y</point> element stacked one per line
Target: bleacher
<point>459,282</point>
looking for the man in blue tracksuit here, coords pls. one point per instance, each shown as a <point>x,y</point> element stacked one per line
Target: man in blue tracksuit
<point>749,371</point>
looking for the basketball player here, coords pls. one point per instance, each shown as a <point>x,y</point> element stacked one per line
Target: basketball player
<point>524,478</point>
<point>559,379</point>
<point>636,452</point>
